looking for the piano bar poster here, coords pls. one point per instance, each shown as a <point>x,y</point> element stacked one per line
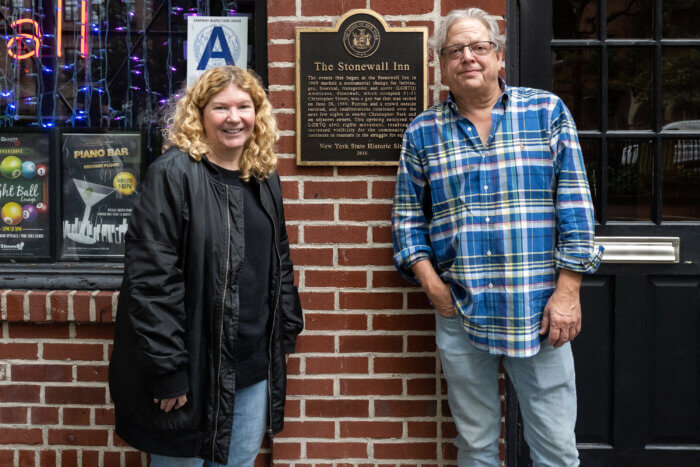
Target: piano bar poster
<point>100,183</point>
<point>24,195</point>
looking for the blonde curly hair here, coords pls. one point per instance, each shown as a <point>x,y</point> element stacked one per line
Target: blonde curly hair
<point>183,126</point>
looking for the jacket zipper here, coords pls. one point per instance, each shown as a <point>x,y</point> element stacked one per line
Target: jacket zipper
<point>221,327</point>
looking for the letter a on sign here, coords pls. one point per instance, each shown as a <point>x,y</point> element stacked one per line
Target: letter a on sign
<point>217,37</point>
<point>215,41</point>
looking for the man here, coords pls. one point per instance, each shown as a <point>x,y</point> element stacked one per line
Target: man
<point>493,218</point>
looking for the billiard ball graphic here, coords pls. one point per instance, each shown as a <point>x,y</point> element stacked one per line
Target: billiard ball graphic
<point>11,213</point>
<point>42,170</point>
<point>28,169</point>
<point>42,208</point>
<point>29,213</point>
<point>11,167</point>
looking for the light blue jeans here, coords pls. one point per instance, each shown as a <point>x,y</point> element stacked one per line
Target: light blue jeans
<point>546,389</point>
<point>249,422</point>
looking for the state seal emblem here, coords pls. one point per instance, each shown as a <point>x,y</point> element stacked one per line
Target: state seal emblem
<point>361,39</point>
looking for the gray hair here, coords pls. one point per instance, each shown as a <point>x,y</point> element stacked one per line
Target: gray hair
<point>490,21</point>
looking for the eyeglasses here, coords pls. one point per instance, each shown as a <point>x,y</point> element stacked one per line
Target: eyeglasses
<point>455,52</point>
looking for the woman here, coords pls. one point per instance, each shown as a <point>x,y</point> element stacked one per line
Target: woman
<point>208,309</point>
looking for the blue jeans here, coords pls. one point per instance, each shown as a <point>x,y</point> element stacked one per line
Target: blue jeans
<point>249,422</point>
<point>546,389</point>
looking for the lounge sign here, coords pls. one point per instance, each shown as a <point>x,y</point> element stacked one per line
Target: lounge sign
<point>359,84</point>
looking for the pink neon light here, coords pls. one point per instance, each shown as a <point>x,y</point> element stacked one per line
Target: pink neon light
<point>24,35</point>
<point>59,28</point>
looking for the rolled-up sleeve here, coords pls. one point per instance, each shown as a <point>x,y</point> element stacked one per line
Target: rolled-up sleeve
<point>575,248</point>
<point>410,227</point>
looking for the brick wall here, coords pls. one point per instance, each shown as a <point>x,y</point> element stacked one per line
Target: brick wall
<point>365,386</point>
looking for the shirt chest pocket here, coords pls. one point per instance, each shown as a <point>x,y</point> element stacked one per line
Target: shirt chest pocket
<point>536,169</point>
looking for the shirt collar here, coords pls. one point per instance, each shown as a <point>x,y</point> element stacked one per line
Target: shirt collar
<point>503,98</point>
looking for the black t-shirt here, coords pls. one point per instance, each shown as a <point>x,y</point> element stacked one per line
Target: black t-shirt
<point>252,351</point>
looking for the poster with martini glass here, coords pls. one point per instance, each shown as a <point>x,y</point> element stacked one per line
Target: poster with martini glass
<point>100,182</point>
<point>24,195</point>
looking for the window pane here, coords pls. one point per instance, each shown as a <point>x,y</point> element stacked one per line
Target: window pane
<point>574,19</point>
<point>681,97</point>
<point>629,19</point>
<point>681,180</point>
<point>575,75</point>
<point>591,158</point>
<point>630,170</point>
<point>680,19</point>
<point>629,88</point>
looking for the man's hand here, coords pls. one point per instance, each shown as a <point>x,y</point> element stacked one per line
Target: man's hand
<point>562,314</point>
<point>437,291</point>
<point>166,405</point>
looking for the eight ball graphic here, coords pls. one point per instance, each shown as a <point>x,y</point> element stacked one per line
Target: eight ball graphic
<point>11,167</point>
<point>42,208</point>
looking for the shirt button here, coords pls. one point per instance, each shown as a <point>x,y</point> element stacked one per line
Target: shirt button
<point>488,219</point>
<point>488,253</point>
<point>490,285</point>
<point>486,188</point>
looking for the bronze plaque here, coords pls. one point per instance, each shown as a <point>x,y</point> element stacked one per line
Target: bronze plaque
<point>358,86</point>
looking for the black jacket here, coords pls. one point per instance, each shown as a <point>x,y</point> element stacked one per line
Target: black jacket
<point>178,310</point>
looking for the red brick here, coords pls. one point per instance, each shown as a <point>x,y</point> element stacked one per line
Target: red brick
<point>339,279</point>
<point>281,52</point>
<point>335,190</point>
<point>290,190</point>
<point>293,235</point>
<point>383,190</point>
<point>421,343</point>
<point>117,441</point>
<point>365,256</point>
<point>306,211</point>
<point>421,387</point>
<point>48,459</point>
<point>280,8</point>
<point>74,352</point>
<point>287,450</point>
<point>309,344</point>
<point>13,415</point>
<point>377,430</point>
<point>312,256</point>
<point>324,7</point>
<point>382,234</point>
<point>335,365</point>
<point>26,351</point>
<point>74,395</point>
<point>422,429</point>
<point>430,25</point>
<point>20,436</point>
<point>282,99</point>
<point>44,415</point>
<point>26,459</point>
<point>404,7</point>
<point>497,7</point>
<point>403,322</point>
<point>405,365</point>
<point>335,234</point>
<point>59,306</point>
<point>365,212</point>
<point>37,306</point>
<point>309,387</point>
<point>317,300</point>
<point>334,322</point>
<point>449,451</point>
<point>94,331</point>
<point>7,457</point>
<point>289,167</point>
<point>112,459</point>
<point>134,458</point>
<point>292,408</point>
<point>78,437</point>
<point>69,458</point>
<point>76,416</point>
<point>293,429</point>
<point>389,171</point>
<point>103,306</point>
<point>286,144</point>
<point>15,305</point>
<point>319,450</point>
<point>104,416</point>
<point>19,393</point>
<point>90,458</point>
<point>42,373</point>
<point>418,301</point>
<point>405,408</point>
<point>366,386</point>
<point>405,450</point>
<point>389,279</point>
<point>371,301</point>
<point>337,408</point>
<point>97,373</point>
<point>286,29</point>
<point>38,331</point>
<point>370,344</point>
<point>81,305</point>
<point>281,75</point>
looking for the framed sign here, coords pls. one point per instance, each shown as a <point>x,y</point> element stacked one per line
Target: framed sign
<point>25,230</point>
<point>359,84</point>
<point>100,180</point>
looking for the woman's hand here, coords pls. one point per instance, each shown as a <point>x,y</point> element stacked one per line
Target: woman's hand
<point>166,405</point>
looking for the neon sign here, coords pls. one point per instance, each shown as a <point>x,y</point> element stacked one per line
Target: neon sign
<point>18,43</point>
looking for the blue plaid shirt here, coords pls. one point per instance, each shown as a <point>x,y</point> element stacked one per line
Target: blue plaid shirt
<point>498,219</point>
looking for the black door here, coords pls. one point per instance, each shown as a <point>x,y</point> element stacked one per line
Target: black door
<point>629,71</point>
